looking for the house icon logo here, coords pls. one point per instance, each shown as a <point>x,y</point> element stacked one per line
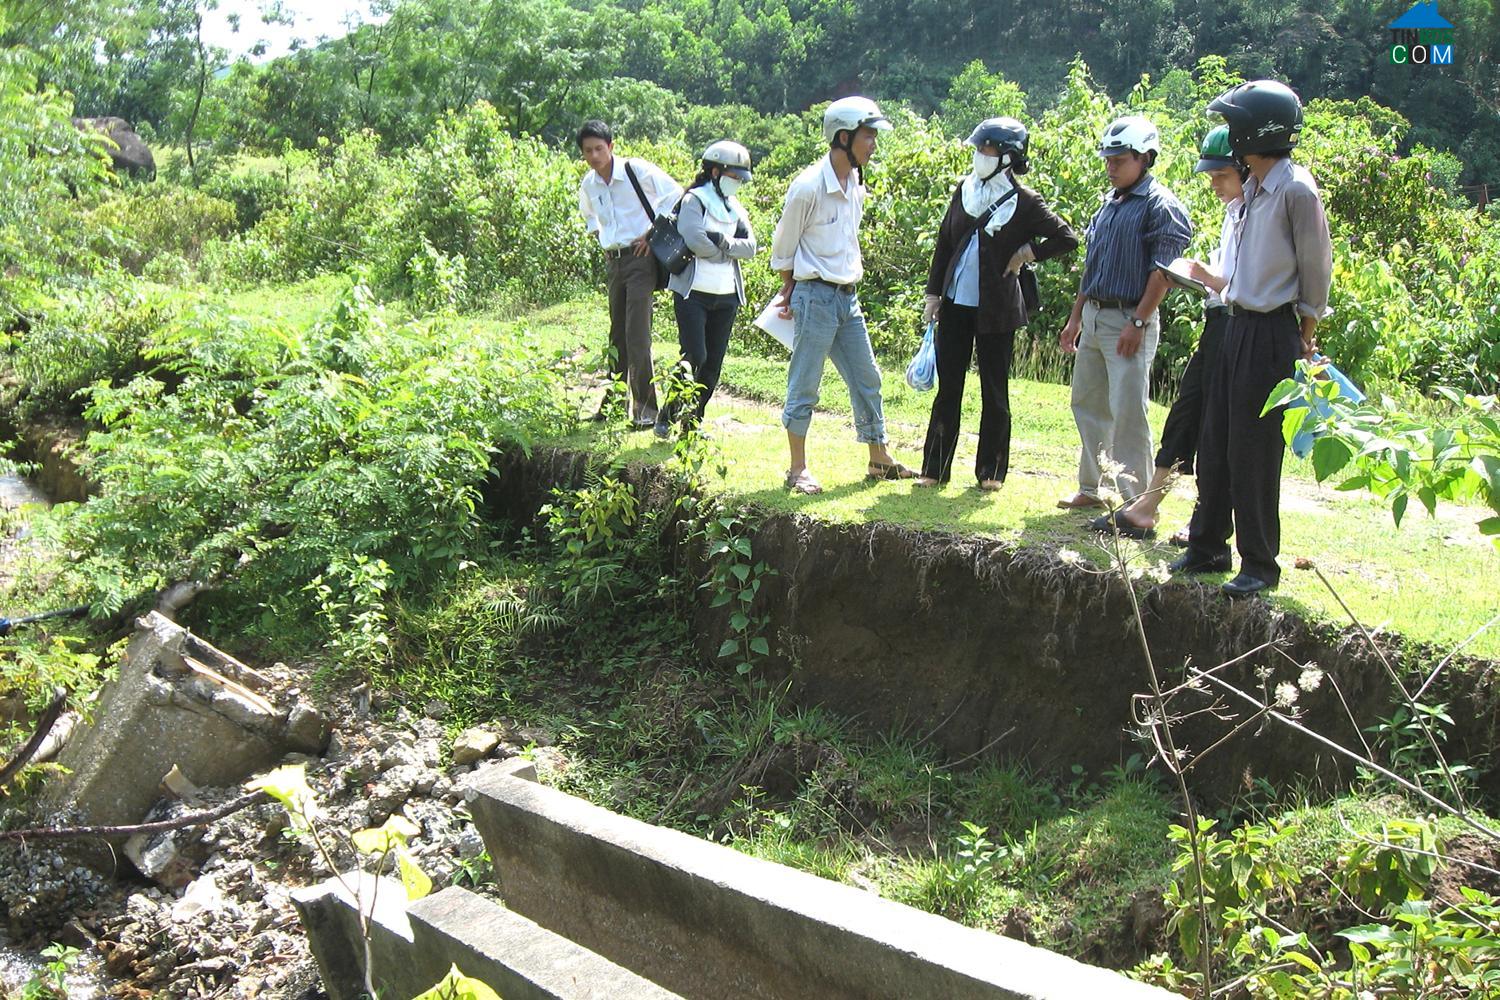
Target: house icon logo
<point>1422,36</point>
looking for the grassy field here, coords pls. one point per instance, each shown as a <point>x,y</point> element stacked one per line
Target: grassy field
<point>1433,580</point>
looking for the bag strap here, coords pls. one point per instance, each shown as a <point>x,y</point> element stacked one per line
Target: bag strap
<point>985,215</point>
<point>635,183</point>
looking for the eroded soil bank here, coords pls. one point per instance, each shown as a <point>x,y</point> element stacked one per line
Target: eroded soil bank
<point>987,647</point>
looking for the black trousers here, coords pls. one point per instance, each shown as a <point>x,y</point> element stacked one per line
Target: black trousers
<point>704,324</point>
<point>1239,455</point>
<point>957,344</point>
<point>1179,438</point>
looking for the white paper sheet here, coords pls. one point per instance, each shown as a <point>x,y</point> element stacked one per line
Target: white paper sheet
<point>770,321</point>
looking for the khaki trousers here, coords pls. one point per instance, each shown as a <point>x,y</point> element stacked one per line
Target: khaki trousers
<point>631,282</point>
<point>1109,400</point>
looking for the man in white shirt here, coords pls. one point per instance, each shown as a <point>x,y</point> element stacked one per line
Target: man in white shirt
<point>816,250</point>
<point>618,199</point>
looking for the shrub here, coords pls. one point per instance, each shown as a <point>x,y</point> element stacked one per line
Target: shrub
<point>142,221</point>
<point>99,335</point>
<point>506,207</point>
<point>285,467</point>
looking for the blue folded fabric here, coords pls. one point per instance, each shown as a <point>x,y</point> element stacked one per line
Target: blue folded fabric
<point>1302,443</point>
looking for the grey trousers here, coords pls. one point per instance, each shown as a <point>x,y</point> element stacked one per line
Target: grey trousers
<point>631,282</point>
<point>1109,400</point>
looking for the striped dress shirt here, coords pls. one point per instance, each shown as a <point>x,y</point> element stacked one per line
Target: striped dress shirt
<point>1133,232</point>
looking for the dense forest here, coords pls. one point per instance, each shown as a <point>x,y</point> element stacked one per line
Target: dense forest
<point>657,66</point>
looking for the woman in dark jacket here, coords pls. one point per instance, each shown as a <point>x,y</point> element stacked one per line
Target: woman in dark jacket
<point>993,228</point>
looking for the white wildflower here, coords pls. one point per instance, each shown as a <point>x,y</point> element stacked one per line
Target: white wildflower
<point>1068,557</point>
<point>1286,694</point>
<point>1311,677</point>
<point>1262,674</point>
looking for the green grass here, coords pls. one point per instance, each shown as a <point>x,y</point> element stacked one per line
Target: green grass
<point>1433,580</point>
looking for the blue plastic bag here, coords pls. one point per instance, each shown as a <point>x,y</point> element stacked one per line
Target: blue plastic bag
<point>1302,443</point>
<point>921,374</point>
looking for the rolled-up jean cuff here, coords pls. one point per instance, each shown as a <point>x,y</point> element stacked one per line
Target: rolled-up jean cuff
<point>796,425</point>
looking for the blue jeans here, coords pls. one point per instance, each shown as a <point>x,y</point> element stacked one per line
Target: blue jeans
<point>830,326</point>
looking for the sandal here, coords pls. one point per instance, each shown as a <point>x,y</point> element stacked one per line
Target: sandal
<point>803,482</point>
<point>888,472</point>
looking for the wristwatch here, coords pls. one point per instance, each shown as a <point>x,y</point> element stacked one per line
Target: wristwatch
<point>1137,322</point>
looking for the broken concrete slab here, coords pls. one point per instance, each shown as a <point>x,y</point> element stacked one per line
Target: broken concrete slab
<point>413,945</point>
<point>177,702</point>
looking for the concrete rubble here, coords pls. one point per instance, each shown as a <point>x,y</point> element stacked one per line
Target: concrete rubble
<point>177,705</point>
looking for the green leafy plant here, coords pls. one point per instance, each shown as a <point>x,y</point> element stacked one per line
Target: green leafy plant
<point>735,579</point>
<point>1243,877</point>
<point>590,528</point>
<point>288,785</point>
<point>259,458</point>
<point>457,986</point>
<point>50,982</point>
<point>1394,454</point>
<point>1381,874</point>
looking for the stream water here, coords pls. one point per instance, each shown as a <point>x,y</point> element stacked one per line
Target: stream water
<point>16,490</point>
<point>85,979</point>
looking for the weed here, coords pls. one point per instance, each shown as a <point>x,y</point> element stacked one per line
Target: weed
<point>50,982</point>
<point>735,579</point>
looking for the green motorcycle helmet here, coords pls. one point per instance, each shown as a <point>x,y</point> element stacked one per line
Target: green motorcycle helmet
<point>1215,151</point>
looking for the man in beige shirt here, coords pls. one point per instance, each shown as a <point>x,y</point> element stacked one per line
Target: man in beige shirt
<point>815,249</point>
<point>1275,298</point>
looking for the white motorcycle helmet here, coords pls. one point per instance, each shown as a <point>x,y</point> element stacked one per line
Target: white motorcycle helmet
<point>734,158</point>
<point>1133,133</point>
<point>847,114</point>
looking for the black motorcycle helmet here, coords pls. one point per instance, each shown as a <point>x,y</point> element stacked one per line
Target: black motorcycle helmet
<point>1264,116</point>
<point>1008,135</point>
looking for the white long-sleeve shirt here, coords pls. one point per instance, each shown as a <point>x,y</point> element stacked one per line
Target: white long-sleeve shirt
<point>611,209</point>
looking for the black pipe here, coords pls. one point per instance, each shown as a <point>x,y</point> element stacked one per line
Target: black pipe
<point>7,624</point>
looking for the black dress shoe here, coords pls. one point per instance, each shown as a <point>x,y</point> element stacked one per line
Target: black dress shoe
<point>1245,585</point>
<point>1190,563</point>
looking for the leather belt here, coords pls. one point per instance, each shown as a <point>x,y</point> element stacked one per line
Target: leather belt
<point>1112,303</point>
<point>1282,310</point>
<point>1218,310</point>
<point>617,253</point>
<point>849,288</point>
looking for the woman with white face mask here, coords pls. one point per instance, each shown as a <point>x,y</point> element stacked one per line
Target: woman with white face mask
<point>707,295</point>
<point>993,228</point>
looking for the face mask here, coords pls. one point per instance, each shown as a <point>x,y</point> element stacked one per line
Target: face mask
<point>729,185</point>
<point>985,165</point>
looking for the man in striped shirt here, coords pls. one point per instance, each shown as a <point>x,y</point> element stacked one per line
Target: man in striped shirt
<point>1113,328</point>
